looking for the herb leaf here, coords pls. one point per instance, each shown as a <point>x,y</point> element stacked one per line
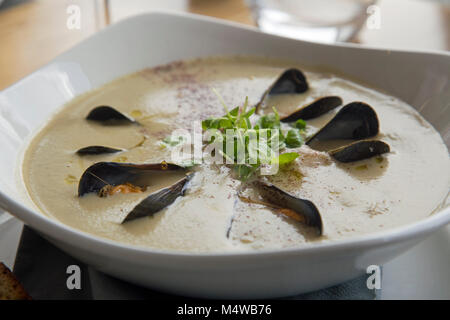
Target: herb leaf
<point>293,139</point>
<point>300,124</point>
<point>285,158</point>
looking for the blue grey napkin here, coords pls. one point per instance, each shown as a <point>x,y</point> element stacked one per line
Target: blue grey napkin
<point>41,267</point>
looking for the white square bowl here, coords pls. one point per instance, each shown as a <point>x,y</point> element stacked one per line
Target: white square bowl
<point>420,78</point>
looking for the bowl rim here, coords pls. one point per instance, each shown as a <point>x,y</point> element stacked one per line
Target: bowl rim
<point>57,230</point>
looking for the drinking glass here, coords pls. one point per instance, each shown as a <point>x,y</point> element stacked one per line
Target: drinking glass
<point>314,20</point>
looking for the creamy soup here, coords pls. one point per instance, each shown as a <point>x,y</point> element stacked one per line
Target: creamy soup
<point>355,198</point>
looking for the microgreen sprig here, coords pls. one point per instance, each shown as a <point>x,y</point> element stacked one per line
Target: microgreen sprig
<point>238,119</point>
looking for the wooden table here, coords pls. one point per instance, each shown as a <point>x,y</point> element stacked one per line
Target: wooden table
<point>32,32</point>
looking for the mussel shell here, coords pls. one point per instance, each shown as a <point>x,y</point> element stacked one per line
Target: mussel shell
<point>159,200</point>
<point>356,120</point>
<point>96,150</point>
<point>314,109</point>
<point>108,116</point>
<point>360,150</point>
<point>290,81</point>
<point>283,199</point>
<point>113,173</point>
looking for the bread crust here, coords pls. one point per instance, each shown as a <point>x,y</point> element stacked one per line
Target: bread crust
<point>10,287</point>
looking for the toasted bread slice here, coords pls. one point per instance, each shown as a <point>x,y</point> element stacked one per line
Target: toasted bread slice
<point>10,287</point>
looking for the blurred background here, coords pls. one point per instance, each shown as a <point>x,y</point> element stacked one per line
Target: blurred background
<point>32,32</point>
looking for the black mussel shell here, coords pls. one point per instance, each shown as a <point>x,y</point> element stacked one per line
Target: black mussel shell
<point>96,150</point>
<point>360,150</point>
<point>356,120</point>
<point>290,81</point>
<point>278,197</point>
<point>159,200</point>
<point>112,173</point>
<point>314,109</point>
<point>108,116</point>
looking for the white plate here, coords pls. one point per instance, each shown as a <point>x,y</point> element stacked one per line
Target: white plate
<point>420,78</point>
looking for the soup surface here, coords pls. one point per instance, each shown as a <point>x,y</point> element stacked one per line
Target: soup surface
<point>366,196</point>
